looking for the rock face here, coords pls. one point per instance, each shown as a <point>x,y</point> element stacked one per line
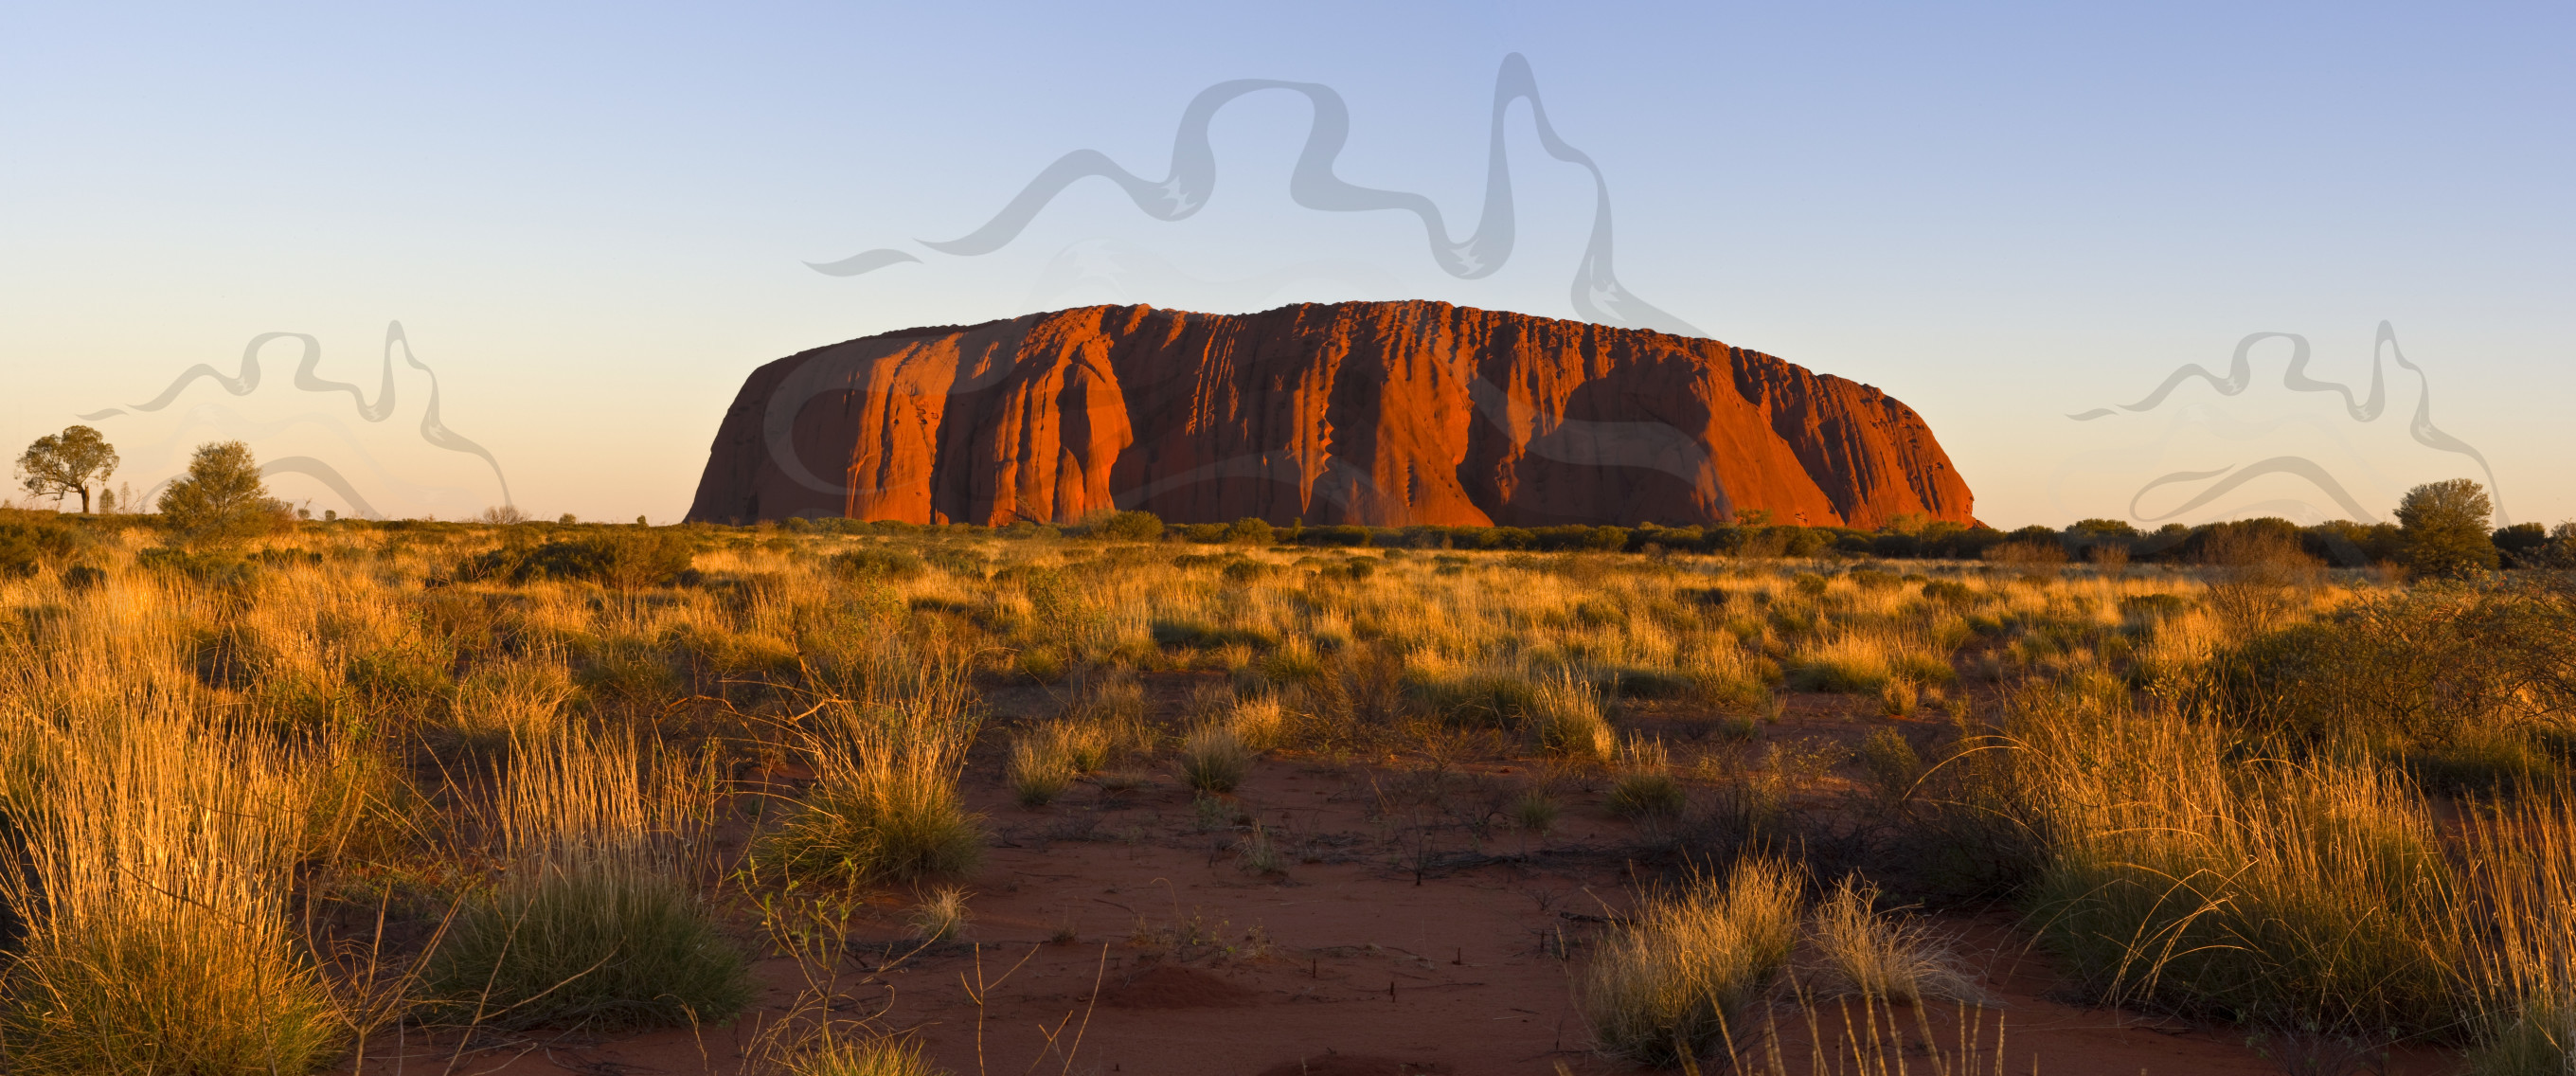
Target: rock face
<point>1383,414</point>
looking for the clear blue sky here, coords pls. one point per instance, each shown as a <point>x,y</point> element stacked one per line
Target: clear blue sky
<point>593,220</point>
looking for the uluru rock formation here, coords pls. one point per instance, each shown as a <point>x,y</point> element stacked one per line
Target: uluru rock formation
<point>1383,414</point>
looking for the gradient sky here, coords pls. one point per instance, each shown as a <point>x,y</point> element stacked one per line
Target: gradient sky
<point>593,220</point>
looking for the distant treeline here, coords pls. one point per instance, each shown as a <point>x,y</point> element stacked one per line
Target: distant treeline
<point>2340,542</point>
<point>25,537</point>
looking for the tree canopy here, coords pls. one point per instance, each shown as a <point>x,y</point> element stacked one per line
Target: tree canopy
<point>221,500</point>
<point>2444,527</point>
<point>61,464</point>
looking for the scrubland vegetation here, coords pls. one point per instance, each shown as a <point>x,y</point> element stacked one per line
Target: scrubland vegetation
<point>274,798</point>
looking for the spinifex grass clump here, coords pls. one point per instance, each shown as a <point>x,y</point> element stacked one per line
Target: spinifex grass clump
<point>872,1057</point>
<point>1569,718</point>
<point>941,916</point>
<point>1677,978</point>
<point>885,804</point>
<point>2313,895</point>
<point>1875,955</point>
<point>1214,759</point>
<point>159,855</point>
<point>594,924</point>
<point>1038,773</point>
<point>1260,721</point>
<point>1645,786</point>
<point>2522,860</point>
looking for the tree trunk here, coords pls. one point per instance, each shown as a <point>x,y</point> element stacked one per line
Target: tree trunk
<point>84,500</point>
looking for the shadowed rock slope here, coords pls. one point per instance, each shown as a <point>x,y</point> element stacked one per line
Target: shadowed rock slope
<point>1383,414</point>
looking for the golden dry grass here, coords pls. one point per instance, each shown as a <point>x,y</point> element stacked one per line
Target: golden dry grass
<point>360,696</point>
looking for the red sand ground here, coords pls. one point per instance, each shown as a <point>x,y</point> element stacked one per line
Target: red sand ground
<point>1384,950</point>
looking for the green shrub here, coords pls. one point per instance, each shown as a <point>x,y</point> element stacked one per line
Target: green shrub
<point>1606,539</point>
<point>1481,699</point>
<point>876,562</point>
<point>1240,572</point>
<point>1250,531</point>
<point>1645,794</point>
<point>2152,606</point>
<point>26,545</point>
<point>1131,527</point>
<point>1871,579</point>
<point>213,568</point>
<point>221,501</point>
<point>1208,637</point>
<point>963,563</point>
<point>1891,763</point>
<point>2410,669</point>
<point>623,558</point>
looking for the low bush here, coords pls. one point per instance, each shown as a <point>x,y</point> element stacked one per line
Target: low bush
<point>875,562</point>
<point>27,545</point>
<point>1250,531</point>
<point>1891,763</point>
<point>623,558</point>
<point>209,568</point>
<point>1130,527</point>
<point>1474,698</point>
<point>2414,669</point>
<point>959,562</point>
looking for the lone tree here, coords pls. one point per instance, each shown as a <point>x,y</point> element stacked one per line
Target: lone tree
<point>2443,526</point>
<point>61,464</point>
<point>221,500</point>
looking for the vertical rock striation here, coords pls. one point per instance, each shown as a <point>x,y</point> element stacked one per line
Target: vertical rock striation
<point>1383,414</point>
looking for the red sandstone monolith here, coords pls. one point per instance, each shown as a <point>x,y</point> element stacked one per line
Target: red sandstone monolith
<point>1384,414</point>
